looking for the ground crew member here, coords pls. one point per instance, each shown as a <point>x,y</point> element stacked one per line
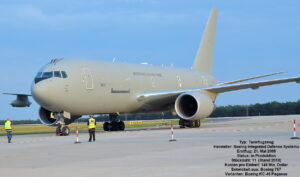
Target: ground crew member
<point>92,128</point>
<point>8,129</point>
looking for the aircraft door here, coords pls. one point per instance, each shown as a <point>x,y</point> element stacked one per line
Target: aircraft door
<point>88,78</point>
<point>179,81</point>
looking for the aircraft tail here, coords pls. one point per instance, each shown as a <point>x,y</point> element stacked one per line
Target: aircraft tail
<point>205,54</point>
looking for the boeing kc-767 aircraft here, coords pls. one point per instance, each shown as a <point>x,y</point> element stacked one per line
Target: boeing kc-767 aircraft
<point>68,89</point>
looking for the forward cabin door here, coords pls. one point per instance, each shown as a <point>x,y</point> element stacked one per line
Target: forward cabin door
<point>87,78</point>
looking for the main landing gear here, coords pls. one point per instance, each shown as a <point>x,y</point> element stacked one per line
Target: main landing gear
<point>189,123</point>
<point>114,124</point>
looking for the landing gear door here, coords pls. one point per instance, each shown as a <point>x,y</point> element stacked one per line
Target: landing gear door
<point>87,78</point>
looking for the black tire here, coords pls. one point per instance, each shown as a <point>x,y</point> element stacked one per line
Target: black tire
<point>62,131</point>
<point>106,126</point>
<point>190,123</point>
<point>114,126</point>
<point>65,131</point>
<point>58,131</point>
<point>181,123</point>
<point>110,126</point>
<point>121,126</point>
<point>196,123</point>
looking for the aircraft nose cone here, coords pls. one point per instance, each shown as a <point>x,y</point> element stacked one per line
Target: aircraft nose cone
<point>41,93</point>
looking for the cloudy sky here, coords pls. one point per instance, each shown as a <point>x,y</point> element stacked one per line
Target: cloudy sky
<point>253,37</point>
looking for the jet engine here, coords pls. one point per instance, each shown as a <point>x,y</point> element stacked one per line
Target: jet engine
<point>194,105</point>
<point>21,101</point>
<point>48,118</point>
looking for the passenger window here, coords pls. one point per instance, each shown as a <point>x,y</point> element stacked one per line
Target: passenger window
<point>64,74</point>
<point>57,74</point>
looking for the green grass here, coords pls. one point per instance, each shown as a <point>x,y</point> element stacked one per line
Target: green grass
<point>39,128</point>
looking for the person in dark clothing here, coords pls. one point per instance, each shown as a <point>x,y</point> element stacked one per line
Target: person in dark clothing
<point>92,128</point>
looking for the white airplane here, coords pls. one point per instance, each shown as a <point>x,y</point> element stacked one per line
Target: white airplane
<point>68,89</point>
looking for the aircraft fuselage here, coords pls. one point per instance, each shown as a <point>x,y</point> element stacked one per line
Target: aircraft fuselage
<point>95,86</point>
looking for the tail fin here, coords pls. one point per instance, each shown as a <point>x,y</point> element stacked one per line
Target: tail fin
<point>205,54</point>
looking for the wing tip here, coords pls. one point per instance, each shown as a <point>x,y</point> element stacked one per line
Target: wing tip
<point>16,94</point>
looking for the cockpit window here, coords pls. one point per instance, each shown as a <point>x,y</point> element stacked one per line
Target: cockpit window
<point>39,74</point>
<point>64,74</point>
<point>57,74</point>
<point>49,74</point>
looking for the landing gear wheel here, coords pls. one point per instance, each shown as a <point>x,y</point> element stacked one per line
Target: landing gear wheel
<point>114,126</point>
<point>58,130</point>
<point>189,123</point>
<point>121,125</point>
<point>106,126</point>
<point>63,130</point>
<point>197,123</point>
<point>181,123</point>
<point>66,131</point>
<point>109,126</point>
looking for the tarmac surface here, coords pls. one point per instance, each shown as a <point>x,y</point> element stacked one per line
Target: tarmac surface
<point>144,153</point>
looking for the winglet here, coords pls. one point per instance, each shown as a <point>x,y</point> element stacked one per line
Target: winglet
<point>205,54</point>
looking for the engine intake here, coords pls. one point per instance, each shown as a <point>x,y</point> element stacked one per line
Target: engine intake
<point>45,117</point>
<point>194,105</point>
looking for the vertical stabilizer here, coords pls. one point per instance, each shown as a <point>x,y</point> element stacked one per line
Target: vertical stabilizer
<point>205,55</point>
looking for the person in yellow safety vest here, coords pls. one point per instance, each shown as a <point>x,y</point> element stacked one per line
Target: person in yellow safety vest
<point>92,128</point>
<point>8,129</point>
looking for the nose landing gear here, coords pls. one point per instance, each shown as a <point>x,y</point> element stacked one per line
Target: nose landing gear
<point>114,124</point>
<point>62,129</point>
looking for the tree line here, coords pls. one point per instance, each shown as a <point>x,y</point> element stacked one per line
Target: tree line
<point>271,108</point>
<point>266,109</point>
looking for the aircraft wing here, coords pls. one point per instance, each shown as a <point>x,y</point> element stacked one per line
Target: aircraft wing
<point>250,78</point>
<point>253,85</point>
<point>172,94</point>
<point>17,94</point>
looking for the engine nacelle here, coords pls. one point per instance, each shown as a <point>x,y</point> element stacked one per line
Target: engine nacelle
<point>194,105</point>
<point>48,119</point>
<point>21,101</point>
